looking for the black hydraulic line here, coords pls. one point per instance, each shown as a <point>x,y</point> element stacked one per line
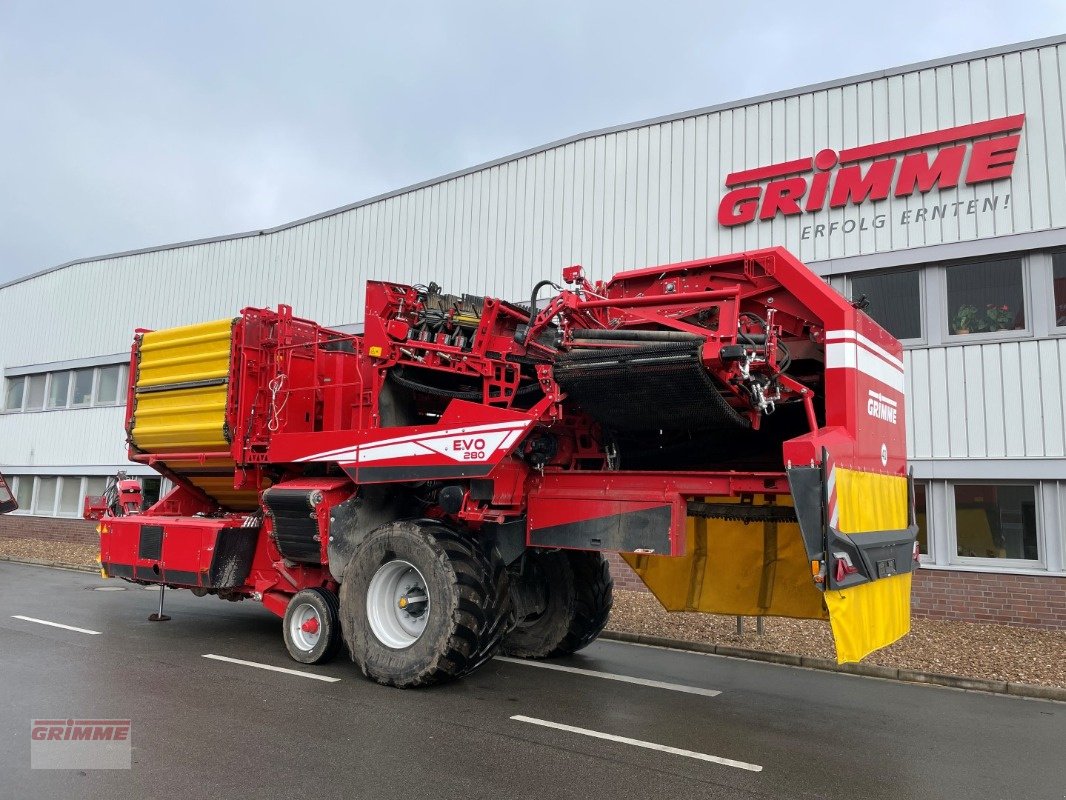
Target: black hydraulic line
<point>635,336</point>
<point>454,394</point>
<point>533,297</point>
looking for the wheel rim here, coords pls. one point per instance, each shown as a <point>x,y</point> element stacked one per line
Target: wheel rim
<point>397,604</point>
<point>305,627</point>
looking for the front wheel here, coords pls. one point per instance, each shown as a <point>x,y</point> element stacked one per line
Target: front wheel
<point>311,628</point>
<point>421,603</point>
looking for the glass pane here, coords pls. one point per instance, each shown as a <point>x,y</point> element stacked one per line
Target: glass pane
<point>70,496</point>
<point>46,496</point>
<point>895,301</point>
<point>150,487</point>
<point>95,486</point>
<point>985,297</point>
<point>5,492</point>
<point>83,387</point>
<point>996,521</point>
<point>107,385</point>
<point>920,516</point>
<point>34,392</point>
<point>13,400</point>
<point>24,492</point>
<point>58,386</point>
<point>1059,264</point>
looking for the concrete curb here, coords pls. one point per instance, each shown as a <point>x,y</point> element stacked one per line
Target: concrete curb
<point>40,562</point>
<point>865,670</point>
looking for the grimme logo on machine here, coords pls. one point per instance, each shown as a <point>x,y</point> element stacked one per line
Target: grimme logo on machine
<point>978,153</point>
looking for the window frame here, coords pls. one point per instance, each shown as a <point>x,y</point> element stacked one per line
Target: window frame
<point>923,317</point>
<point>78,504</point>
<point>26,392</point>
<point>953,557</point>
<point>22,400</point>
<point>930,539</point>
<point>92,387</point>
<point>949,338</point>
<point>48,394</point>
<point>15,482</point>
<point>72,376</point>
<point>1053,325</point>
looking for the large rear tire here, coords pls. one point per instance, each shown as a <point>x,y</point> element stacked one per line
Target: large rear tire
<point>422,604</point>
<point>576,598</point>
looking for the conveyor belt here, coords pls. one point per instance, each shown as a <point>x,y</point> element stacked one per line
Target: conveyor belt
<point>662,386</point>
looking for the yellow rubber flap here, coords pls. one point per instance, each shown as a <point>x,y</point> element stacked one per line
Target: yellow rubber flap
<point>868,501</point>
<point>869,616</point>
<point>873,615</point>
<point>736,569</point>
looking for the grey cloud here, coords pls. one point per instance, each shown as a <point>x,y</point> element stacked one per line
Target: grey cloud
<point>133,124</point>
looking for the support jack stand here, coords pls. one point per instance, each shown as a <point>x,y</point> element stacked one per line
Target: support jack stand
<point>160,617</point>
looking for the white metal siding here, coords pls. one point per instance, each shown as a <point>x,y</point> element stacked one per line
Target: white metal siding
<point>84,436</point>
<point>996,400</point>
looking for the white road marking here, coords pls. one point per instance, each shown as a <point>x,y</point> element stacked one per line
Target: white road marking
<point>610,676</point>
<point>55,624</point>
<point>610,737</point>
<point>257,665</point>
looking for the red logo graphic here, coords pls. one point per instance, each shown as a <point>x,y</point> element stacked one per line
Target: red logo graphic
<point>841,180</point>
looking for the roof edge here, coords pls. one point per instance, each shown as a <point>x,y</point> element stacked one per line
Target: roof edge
<point>989,52</point>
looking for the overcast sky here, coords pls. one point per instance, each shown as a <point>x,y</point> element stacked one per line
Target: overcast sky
<point>125,125</point>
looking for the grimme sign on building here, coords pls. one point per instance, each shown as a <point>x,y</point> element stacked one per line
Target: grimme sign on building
<point>972,154</point>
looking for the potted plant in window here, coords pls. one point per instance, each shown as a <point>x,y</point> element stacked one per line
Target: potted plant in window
<point>965,320</point>
<point>1000,318</point>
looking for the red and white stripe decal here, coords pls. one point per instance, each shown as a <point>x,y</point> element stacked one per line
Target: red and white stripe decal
<point>850,349</point>
<point>472,443</point>
<point>831,492</point>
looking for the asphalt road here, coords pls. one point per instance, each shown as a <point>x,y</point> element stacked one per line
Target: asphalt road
<point>205,728</point>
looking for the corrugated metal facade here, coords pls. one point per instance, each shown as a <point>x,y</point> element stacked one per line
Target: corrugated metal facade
<point>612,200</point>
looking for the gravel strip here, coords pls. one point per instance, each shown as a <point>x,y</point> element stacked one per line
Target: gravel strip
<point>82,555</point>
<point>992,652</point>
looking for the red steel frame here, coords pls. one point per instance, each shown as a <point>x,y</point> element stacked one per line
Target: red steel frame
<point>305,400</point>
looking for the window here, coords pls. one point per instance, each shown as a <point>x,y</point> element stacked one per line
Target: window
<point>985,297</point>
<point>894,301</point>
<point>58,389</point>
<point>107,384</point>
<point>94,487</point>
<point>70,496</point>
<point>150,487</point>
<point>15,390</point>
<point>35,392</point>
<point>57,495</point>
<point>99,386</point>
<point>83,387</point>
<point>921,517</point>
<point>1058,262</point>
<point>24,491</point>
<point>45,503</point>
<point>996,521</point>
